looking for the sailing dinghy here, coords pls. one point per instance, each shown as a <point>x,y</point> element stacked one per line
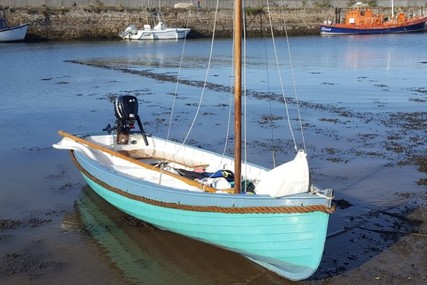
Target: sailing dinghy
<point>274,217</point>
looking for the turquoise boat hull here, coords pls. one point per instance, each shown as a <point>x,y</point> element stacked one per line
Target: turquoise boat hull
<point>289,244</point>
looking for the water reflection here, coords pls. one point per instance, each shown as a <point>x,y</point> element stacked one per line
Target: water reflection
<point>146,255</point>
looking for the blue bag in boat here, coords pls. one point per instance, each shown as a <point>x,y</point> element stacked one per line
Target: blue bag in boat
<point>227,174</point>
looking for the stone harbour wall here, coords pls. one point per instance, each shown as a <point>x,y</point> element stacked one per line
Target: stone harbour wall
<point>102,22</point>
<point>77,23</point>
<point>222,4</point>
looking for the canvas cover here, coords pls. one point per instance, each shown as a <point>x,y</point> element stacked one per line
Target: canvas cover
<point>289,178</point>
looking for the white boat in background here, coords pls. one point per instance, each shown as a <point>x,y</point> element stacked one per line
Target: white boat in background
<point>159,32</point>
<point>11,34</point>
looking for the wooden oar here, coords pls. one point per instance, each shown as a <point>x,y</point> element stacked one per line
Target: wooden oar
<point>200,186</point>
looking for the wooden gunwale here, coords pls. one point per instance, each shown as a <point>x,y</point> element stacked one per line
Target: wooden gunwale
<point>214,209</point>
<point>190,182</point>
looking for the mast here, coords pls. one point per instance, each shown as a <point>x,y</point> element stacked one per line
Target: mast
<point>237,41</point>
<point>392,9</point>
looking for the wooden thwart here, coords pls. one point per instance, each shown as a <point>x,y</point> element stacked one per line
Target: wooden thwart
<point>190,182</point>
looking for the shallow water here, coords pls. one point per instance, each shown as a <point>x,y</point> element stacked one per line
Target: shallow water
<point>363,105</point>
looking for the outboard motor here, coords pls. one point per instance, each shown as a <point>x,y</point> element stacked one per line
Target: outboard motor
<point>126,111</point>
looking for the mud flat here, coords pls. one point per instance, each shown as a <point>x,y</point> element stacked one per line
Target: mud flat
<point>381,244</point>
<point>54,230</point>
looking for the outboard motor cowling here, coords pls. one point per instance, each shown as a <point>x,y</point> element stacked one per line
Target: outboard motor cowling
<point>126,107</point>
<point>126,112</point>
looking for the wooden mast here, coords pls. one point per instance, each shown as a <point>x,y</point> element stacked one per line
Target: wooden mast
<point>237,36</point>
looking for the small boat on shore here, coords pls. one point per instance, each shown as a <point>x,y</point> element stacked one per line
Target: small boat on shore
<point>275,216</point>
<point>11,34</point>
<point>360,20</point>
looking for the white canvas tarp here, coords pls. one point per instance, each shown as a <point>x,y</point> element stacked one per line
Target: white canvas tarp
<point>289,178</point>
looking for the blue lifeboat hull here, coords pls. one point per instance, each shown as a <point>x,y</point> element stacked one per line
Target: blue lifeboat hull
<point>418,26</point>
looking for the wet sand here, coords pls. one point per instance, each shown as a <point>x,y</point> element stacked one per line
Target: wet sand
<point>381,244</point>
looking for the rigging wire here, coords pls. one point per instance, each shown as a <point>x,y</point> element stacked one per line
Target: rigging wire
<point>175,94</point>
<point>230,104</point>
<point>206,77</point>
<point>245,149</point>
<point>203,92</point>
<point>294,82</point>
<point>269,101</point>
<point>280,77</point>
